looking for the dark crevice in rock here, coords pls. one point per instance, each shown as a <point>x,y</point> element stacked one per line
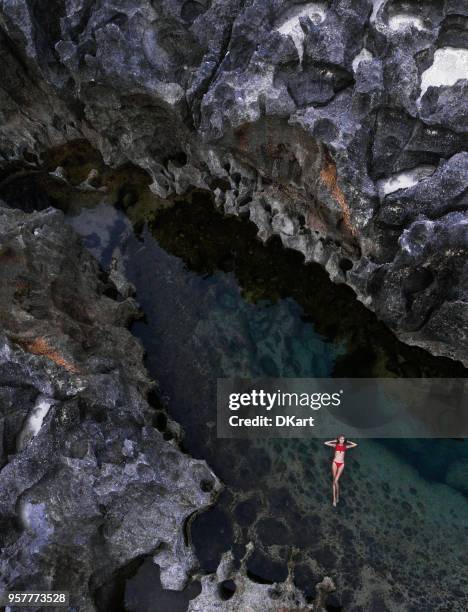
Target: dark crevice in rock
<point>84,16</point>
<point>454,31</point>
<point>461,207</point>
<point>401,142</point>
<point>110,596</point>
<point>186,529</point>
<point>47,30</point>
<point>196,98</point>
<point>14,52</point>
<point>227,588</point>
<point>258,579</point>
<point>316,83</point>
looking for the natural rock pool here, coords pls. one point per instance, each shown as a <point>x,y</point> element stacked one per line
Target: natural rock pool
<point>339,130</point>
<point>218,303</point>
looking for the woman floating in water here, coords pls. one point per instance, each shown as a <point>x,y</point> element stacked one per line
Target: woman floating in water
<point>341,445</point>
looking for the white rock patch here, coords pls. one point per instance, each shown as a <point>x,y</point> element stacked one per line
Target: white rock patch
<point>376,5</point>
<point>290,25</point>
<point>34,421</point>
<point>363,56</point>
<point>405,21</point>
<point>405,179</point>
<point>450,65</point>
<point>34,519</point>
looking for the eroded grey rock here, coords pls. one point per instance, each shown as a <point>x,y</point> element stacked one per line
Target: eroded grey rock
<point>296,110</point>
<point>288,111</point>
<point>233,591</point>
<point>87,484</point>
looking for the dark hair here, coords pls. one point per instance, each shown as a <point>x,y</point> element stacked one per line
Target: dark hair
<point>341,436</point>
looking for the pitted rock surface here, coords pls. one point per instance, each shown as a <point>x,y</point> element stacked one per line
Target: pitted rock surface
<point>87,484</point>
<point>303,115</point>
<point>233,591</point>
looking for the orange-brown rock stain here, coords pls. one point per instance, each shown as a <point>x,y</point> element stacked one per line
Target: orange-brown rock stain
<point>329,177</point>
<point>40,346</point>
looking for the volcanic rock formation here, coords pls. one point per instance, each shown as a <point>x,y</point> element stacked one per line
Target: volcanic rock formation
<point>229,589</point>
<point>87,484</point>
<point>338,125</point>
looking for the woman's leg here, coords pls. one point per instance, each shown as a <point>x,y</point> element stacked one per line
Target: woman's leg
<point>336,478</point>
<point>334,471</point>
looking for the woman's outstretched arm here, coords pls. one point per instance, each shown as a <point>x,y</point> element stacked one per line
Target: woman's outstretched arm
<point>351,444</point>
<point>330,443</point>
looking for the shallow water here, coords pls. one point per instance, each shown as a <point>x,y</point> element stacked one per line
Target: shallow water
<point>217,303</point>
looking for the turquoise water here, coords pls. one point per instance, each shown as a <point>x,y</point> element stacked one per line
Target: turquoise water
<point>396,514</point>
